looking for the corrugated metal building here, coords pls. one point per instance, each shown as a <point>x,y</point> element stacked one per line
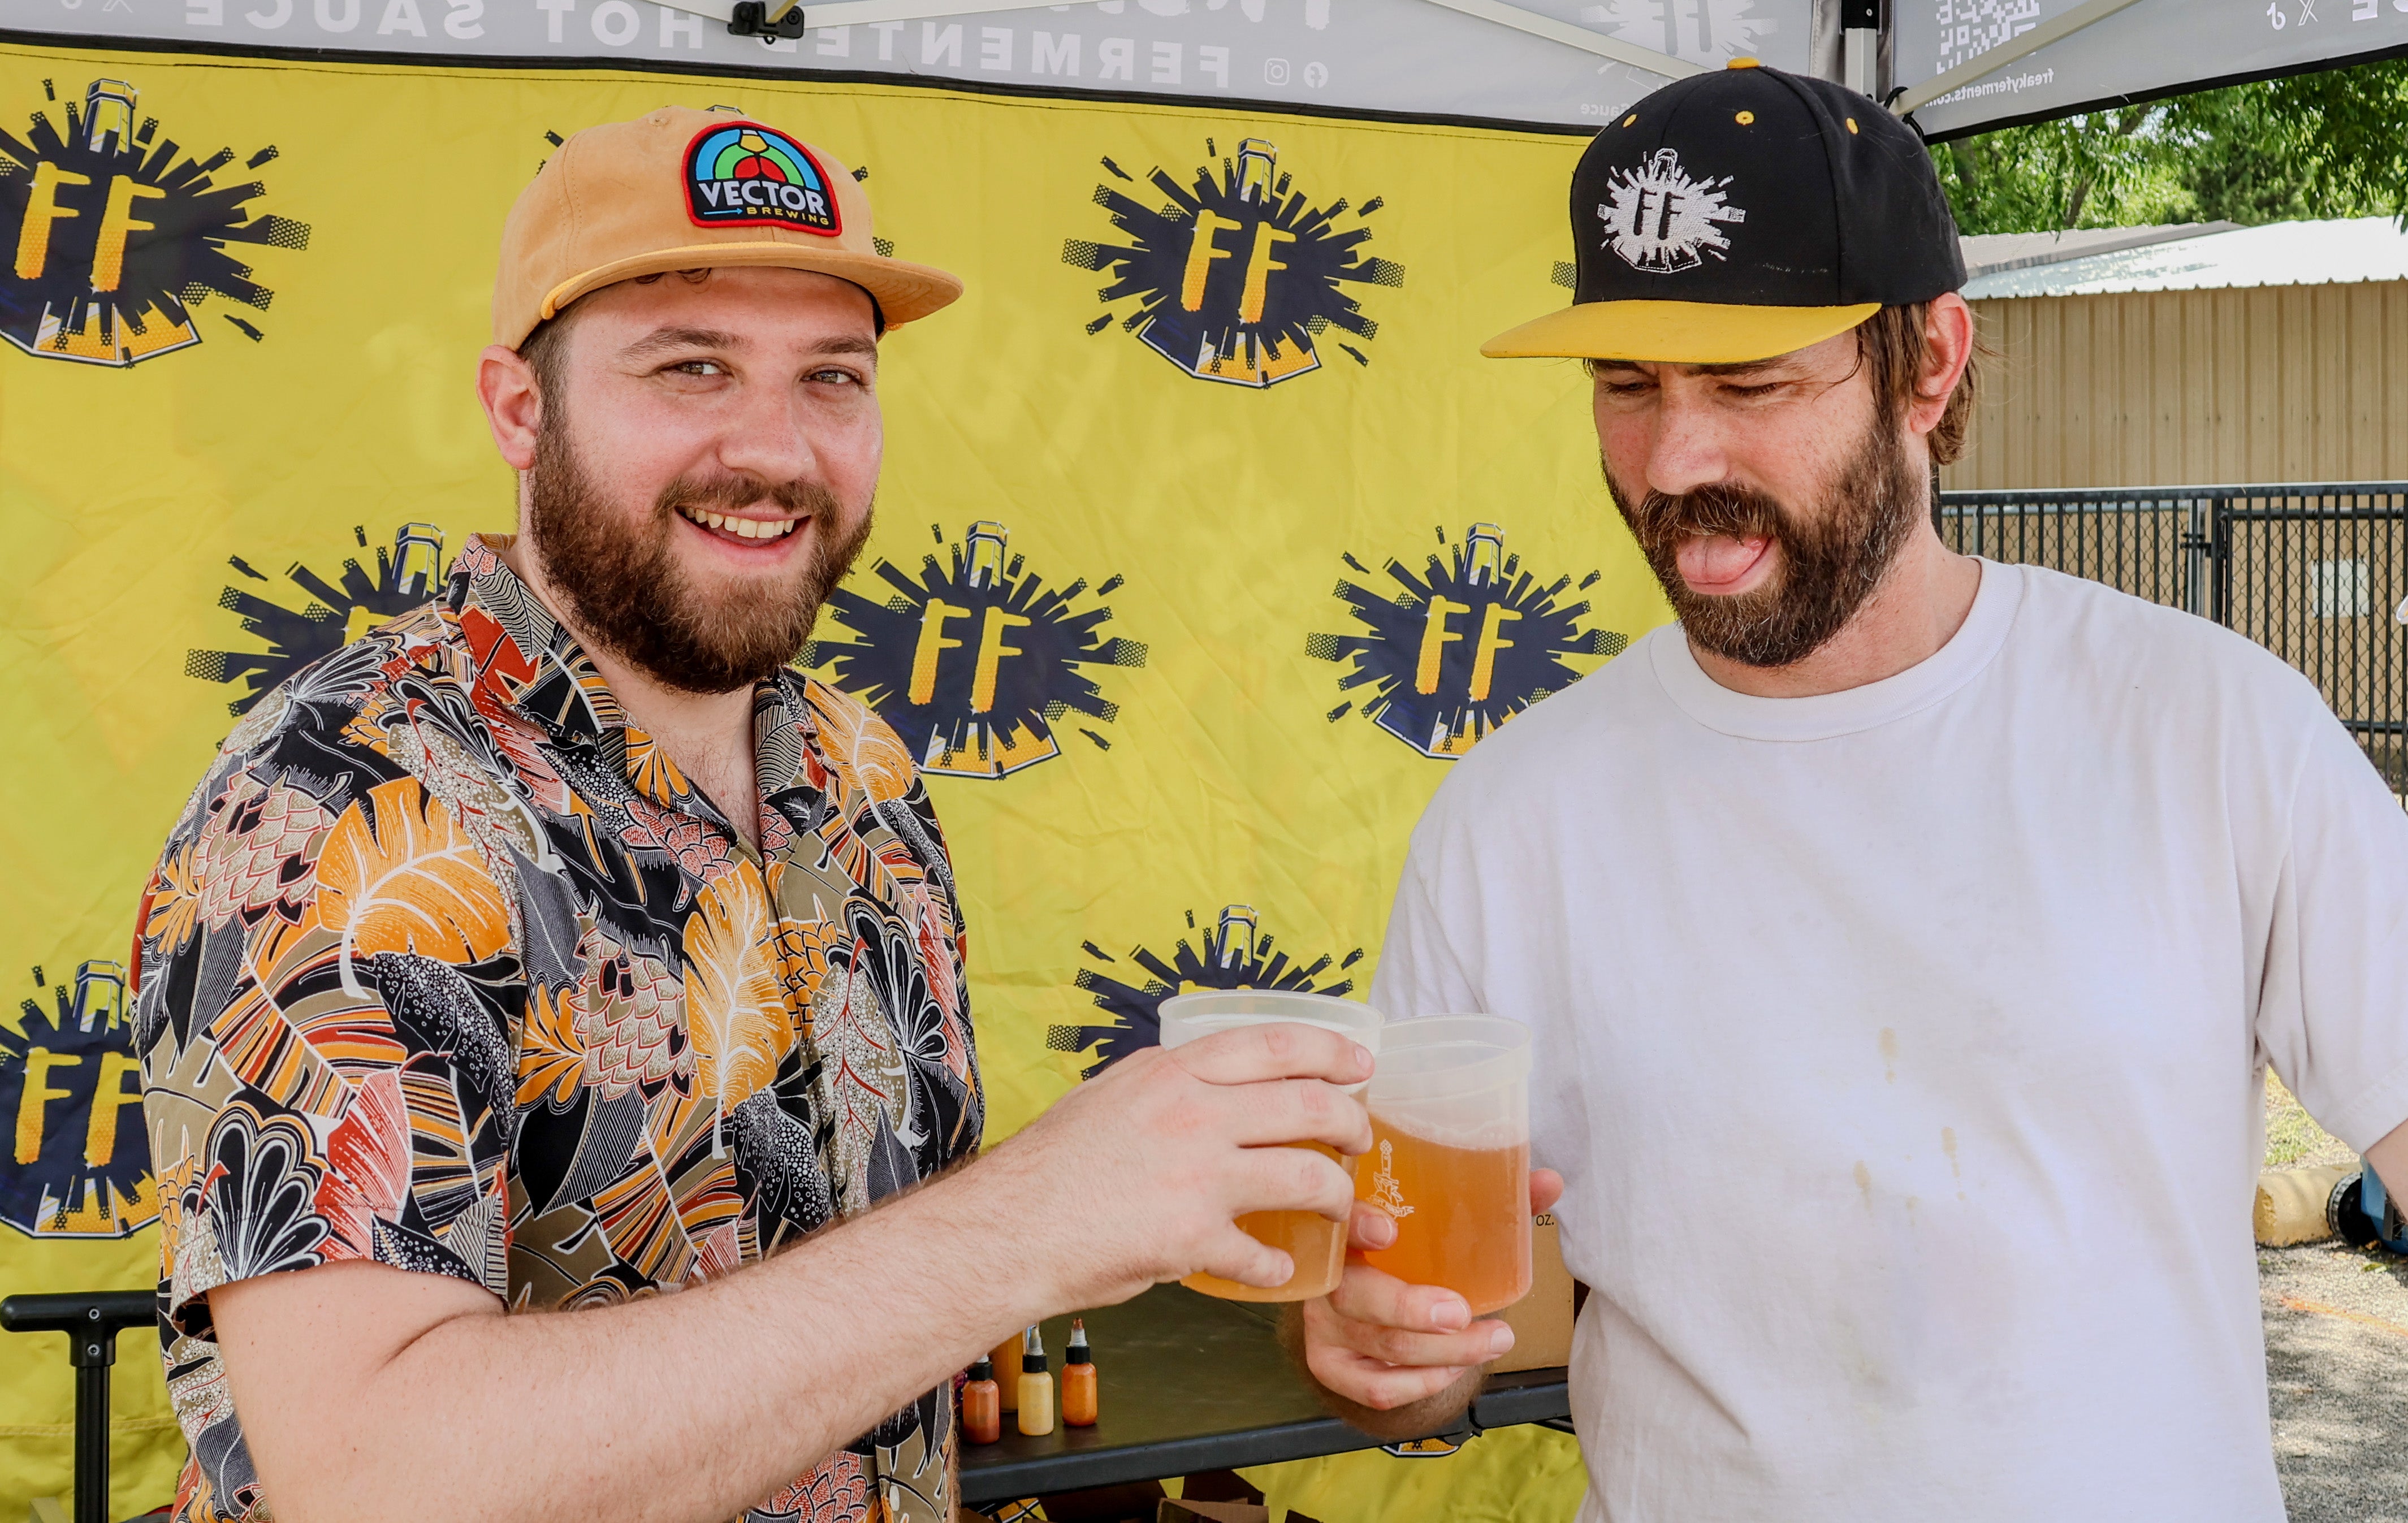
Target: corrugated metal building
<point>2150,357</point>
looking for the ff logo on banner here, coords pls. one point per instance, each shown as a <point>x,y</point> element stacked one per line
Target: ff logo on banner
<point>1236,954</point>
<point>746,175</point>
<point>80,1166</point>
<point>1235,278</point>
<point>1460,650</point>
<point>976,662</point>
<point>336,615</point>
<point>118,239</point>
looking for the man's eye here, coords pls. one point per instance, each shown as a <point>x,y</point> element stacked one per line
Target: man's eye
<point>1763,388</point>
<point>699,368</point>
<point>833,377</point>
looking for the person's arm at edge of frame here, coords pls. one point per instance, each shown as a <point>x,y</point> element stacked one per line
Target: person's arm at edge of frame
<point>370,1392</point>
<point>1394,1361</point>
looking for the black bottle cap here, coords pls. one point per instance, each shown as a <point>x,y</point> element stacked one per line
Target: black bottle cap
<point>984,1369</point>
<point>1078,1353</point>
<point>1033,1364</point>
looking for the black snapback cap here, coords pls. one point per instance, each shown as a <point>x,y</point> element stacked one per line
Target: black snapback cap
<point>1742,214</point>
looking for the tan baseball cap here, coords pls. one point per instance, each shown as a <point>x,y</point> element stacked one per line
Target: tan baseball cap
<point>682,188</point>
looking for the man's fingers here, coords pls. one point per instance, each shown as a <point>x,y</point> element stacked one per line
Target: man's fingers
<point>1370,1228</point>
<point>1546,1188</point>
<point>1369,1295</point>
<point>1237,1256</point>
<point>1294,1179</point>
<point>1297,1111</point>
<point>1476,1345</point>
<point>1282,1050</point>
<point>1370,1382</point>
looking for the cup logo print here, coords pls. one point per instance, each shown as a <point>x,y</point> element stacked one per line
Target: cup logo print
<point>1236,954</point>
<point>746,175</point>
<point>1236,275</point>
<point>1659,219</point>
<point>337,612</point>
<point>976,662</point>
<point>1386,1193</point>
<point>121,236</point>
<point>80,1164</point>
<point>1459,650</point>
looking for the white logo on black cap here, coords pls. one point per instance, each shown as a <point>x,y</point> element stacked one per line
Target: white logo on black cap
<point>1657,217</point>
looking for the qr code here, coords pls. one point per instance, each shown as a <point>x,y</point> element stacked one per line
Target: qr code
<point>1969,28</point>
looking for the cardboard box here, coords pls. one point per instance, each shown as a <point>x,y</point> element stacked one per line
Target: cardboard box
<point>1542,1320</point>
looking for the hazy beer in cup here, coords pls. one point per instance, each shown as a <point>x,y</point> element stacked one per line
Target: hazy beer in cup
<point>1450,1155</point>
<point>1316,1243</point>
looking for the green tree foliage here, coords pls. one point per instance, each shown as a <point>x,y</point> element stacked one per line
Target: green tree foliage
<point>2329,144</point>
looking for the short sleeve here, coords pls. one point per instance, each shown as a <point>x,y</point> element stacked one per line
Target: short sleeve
<point>1419,973</point>
<point>2332,1008</point>
<point>323,993</point>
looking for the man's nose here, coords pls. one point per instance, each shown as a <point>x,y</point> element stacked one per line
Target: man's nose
<point>768,438</point>
<point>1688,448</point>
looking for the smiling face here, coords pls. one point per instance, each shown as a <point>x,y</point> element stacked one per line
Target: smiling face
<point>701,471</point>
<point>1769,498</point>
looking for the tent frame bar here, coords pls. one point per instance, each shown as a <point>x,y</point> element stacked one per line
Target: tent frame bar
<point>1982,66</point>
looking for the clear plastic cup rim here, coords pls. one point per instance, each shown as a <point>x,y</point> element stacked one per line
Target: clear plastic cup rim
<point>1450,1057</point>
<point>1186,1018</point>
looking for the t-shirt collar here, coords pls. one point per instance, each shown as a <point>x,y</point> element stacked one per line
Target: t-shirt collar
<point>1827,715</point>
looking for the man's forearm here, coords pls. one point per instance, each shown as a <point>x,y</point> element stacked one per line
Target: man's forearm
<point>686,1408</point>
<point>1417,1419</point>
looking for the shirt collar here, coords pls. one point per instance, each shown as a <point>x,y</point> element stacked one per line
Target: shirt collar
<point>527,662</point>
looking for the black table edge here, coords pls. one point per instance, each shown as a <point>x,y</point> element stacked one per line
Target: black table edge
<point>1535,1395</point>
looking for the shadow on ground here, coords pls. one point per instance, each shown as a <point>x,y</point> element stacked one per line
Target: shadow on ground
<point>2337,1373</point>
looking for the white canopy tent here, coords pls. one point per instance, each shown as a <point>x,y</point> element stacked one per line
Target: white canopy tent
<point>1957,65</point>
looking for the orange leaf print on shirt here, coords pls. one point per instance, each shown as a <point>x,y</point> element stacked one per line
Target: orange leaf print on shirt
<point>868,754</point>
<point>735,1016</point>
<point>412,882</point>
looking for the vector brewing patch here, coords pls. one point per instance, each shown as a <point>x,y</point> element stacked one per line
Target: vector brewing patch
<point>746,175</point>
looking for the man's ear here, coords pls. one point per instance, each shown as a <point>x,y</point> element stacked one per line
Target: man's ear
<point>506,386</point>
<point>1947,350</point>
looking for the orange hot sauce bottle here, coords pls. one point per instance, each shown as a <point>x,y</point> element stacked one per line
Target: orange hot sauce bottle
<point>1078,1379</point>
<point>1035,1388</point>
<point>982,1404</point>
<point>1006,1358</point>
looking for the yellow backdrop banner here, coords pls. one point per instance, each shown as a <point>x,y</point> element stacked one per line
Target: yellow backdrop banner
<point>1206,540</point>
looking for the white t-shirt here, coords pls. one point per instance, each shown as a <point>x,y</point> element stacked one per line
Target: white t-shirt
<point>1902,1051</point>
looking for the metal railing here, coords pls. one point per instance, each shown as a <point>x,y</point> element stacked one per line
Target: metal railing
<point>2315,571</point>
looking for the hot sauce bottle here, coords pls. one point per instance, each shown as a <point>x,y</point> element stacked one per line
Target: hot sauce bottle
<point>1078,1379</point>
<point>1006,1358</point>
<point>982,1404</point>
<point>1036,1387</point>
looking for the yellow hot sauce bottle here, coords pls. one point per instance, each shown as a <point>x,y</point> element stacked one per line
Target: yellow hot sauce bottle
<point>1036,1387</point>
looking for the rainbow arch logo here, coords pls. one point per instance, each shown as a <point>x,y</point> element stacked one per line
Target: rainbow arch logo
<point>746,175</point>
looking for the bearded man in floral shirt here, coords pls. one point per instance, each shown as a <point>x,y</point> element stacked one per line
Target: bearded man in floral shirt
<point>556,946</point>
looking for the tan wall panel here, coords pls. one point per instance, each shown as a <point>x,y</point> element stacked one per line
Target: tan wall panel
<point>2166,388</point>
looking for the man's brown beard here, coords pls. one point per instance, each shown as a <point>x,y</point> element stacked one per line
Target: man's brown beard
<point>1830,561</point>
<point>624,589</point>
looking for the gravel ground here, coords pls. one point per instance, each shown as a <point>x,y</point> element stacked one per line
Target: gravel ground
<point>2336,1354</point>
<point>2336,1369</point>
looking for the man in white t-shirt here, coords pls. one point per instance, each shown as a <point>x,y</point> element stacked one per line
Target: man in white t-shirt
<point>1904,936</point>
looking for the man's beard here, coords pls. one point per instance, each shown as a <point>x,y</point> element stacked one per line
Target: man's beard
<point>1831,561</point>
<point>627,593</point>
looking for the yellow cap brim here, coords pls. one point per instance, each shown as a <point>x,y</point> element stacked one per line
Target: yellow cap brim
<point>905,293</point>
<point>1675,332</point>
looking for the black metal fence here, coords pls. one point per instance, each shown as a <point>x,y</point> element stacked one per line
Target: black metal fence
<point>2316,572</point>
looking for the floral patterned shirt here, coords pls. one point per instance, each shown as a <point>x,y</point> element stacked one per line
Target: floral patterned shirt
<point>447,967</point>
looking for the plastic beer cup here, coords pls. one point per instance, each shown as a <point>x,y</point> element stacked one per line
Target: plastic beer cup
<point>1450,1155</point>
<point>1316,1243</point>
